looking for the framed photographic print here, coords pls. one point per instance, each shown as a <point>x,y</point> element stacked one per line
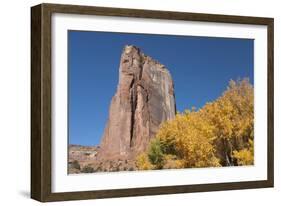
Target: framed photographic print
<point>128,102</point>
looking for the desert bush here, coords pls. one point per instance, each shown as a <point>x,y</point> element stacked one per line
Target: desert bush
<point>143,163</point>
<point>75,164</point>
<point>87,169</point>
<point>172,162</point>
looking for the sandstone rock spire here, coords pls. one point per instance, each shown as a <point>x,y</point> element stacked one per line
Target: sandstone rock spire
<point>143,100</point>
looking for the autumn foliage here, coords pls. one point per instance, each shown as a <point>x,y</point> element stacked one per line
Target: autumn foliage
<point>219,134</point>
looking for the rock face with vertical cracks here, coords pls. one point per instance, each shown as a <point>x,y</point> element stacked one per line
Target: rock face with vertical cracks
<point>144,99</point>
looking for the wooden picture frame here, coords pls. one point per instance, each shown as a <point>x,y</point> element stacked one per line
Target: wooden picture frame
<point>41,95</point>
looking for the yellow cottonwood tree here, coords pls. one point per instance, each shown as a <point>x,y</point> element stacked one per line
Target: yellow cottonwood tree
<point>246,155</point>
<point>218,134</point>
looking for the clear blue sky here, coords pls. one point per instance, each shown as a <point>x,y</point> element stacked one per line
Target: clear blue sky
<point>201,68</point>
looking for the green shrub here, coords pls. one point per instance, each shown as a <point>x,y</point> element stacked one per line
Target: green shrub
<point>155,153</point>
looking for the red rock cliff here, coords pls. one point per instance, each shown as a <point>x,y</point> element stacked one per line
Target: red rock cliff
<point>143,100</point>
